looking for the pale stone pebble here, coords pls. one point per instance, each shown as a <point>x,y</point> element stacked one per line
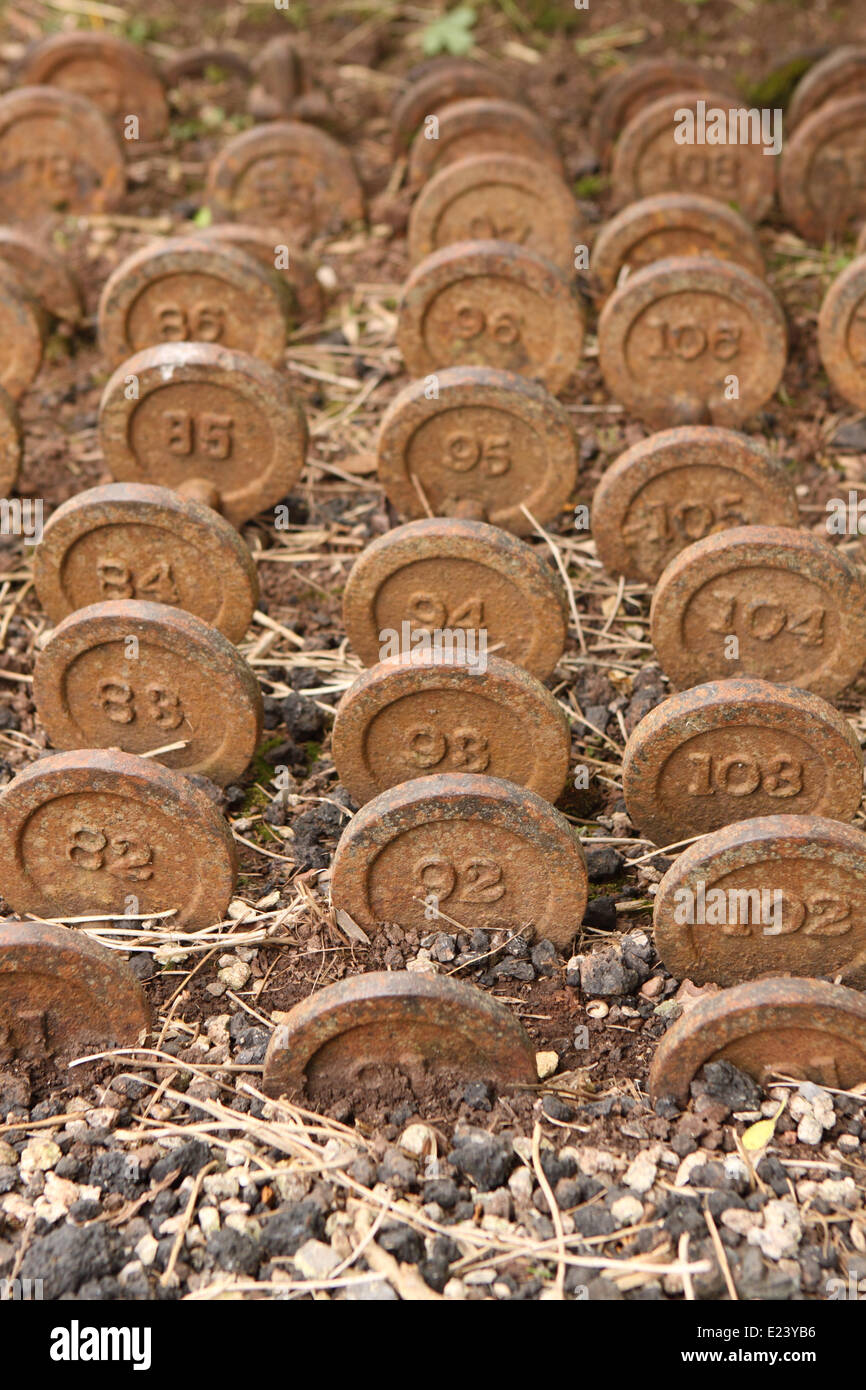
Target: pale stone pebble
<point>520,1184</point>
<point>247,1225</point>
<point>848,1143</point>
<point>423,964</point>
<point>419,1140</point>
<point>217,1028</point>
<point>221,1185</point>
<point>739,1221</point>
<point>39,1155</point>
<point>209,1220</point>
<point>291,1187</point>
<point>546,1064</point>
<point>501,1290</point>
<point>455,1289</point>
<point>496,1203</point>
<point>479,1277</point>
<point>626,1211</point>
<point>146,1249</point>
<point>16,1208</point>
<point>315,1260</point>
<point>641,1172</point>
<point>131,1271</point>
<point>735,1169</point>
<point>8,1155</point>
<point>234,973</point>
<point>592,1161</point>
<point>810,1130</point>
<point>194,1238</point>
<point>49,1212</point>
<point>840,1192</point>
<point>695,1160</point>
<point>782,1230</point>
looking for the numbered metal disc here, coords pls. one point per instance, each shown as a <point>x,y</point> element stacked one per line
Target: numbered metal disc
<point>491,304</point>
<point>140,676</point>
<point>496,197</point>
<point>763,601</point>
<point>115,75</point>
<point>415,715</point>
<point>734,749</point>
<point>690,341</point>
<point>269,247</point>
<point>680,485</point>
<point>40,271</point>
<point>806,1029</point>
<point>10,444</point>
<point>62,994</point>
<point>841,73</point>
<point>648,159</point>
<point>58,154</point>
<point>820,184</point>
<point>185,290</point>
<point>348,1037</point>
<point>286,173</point>
<point>488,445</point>
<point>484,852</point>
<point>777,895</point>
<point>842,333</point>
<point>433,86</point>
<point>108,833</point>
<point>135,541</point>
<point>22,332</point>
<point>481,126</point>
<point>205,420</point>
<point>447,573</point>
<point>672,224</point>
<point>626,93</point>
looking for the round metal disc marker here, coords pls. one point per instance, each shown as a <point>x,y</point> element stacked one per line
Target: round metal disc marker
<point>22,334</point>
<point>58,155</point>
<point>42,274</point>
<point>628,92</point>
<point>140,676</point>
<point>341,1040</point>
<point>205,420</point>
<point>680,485</point>
<point>692,341</point>
<point>115,75</point>
<point>10,443</point>
<point>734,749</point>
<point>482,851</point>
<point>415,716</point>
<point>842,333</point>
<point>433,86</point>
<point>841,73</point>
<point>820,181</point>
<point>763,601</point>
<point>481,126</point>
<point>449,574</point>
<point>108,833</point>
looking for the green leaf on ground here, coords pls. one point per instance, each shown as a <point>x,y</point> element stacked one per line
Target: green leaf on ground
<point>450,34</point>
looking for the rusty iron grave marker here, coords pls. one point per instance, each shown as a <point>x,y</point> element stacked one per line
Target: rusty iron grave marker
<point>734,749</point>
<point>648,159</point>
<point>628,92</point>
<point>450,574</point>
<point>821,181</point>
<point>10,443</point>
<point>93,833</point>
<point>497,197</point>
<point>764,601</point>
<point>136,541</point>
<point>58,155</point>
<point>218,426</point>
<point>489,444</point>
<point>679,485</point>
<point>289,174</point>
<point>842,332</point>
<point>692,341</point>
<point>776,895</point>
<point>672,224</point>
<point>140,676</point>
<point>806,1029</point>
<point>415,715</point>
<point>115,75</point>
<point>22,333</point>
<point>42,273</point>
<point>193,290</point>
<point>271,249</point>
<point>481,126</point>
<point>432,86</point>
<point>62,995</point>
<point>491,304</point>
<point>480,851</point>
<point>841,73</point>
<point>342,1040</point>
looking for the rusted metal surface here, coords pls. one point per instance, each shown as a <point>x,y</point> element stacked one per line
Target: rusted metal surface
<point>626,93</point>
<point>821,186</point>
<point>205,415</point>
<point>115,75</point>
<point>733,749</point>
<point>491,304</point>
<point>482,126</point>
<point>489,445</point>
<point>107,833</point>
<point>269,247</point>
<point>776,895</point>
<point>62,995</point>
<point>22,334</point>
<point>58,155</point>
<point>10,443</point>
<point>432,86</point>
<point>648,159</point>
<point>806,1029</point>
<point>194,62</point>
<point>794,607</point>
<point>484,852</point>
<point>133,540</point>
<point>679,485</point>
<point>141,676</point>
<point>286,173</point>
<point>446,573</point>
<point>496,197</point>
<point>345,1038</point>
<point>841,73</point>
<point>41,271</point>
<point>415,715</point>
<point>672,224</point>
<point>692,341</point>
<point>193,290</point>
<point>842,332</point>
<point>279,70</point>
